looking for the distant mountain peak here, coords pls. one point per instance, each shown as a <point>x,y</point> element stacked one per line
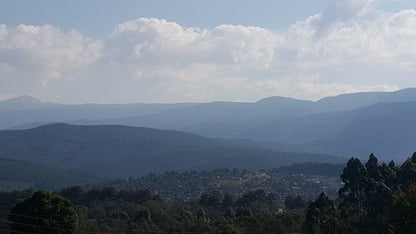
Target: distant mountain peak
<point>279,99</point>
<point>23,99</point>
<point>24,102</point>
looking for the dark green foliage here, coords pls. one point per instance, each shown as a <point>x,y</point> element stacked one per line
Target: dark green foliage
<point>404,211</point>
<point>255,196</point>
<point>292,202</point>
<point>373,168</point>
<point>228,201</point>
<point>322,216</point>
<point>407,173</point>
<point>212,199</point>
<point>375,199</point>
<point>258,201</point>
<point>244,212</point>
<point>84,196</point>
<point>279,224</point>
<point>388,174</point>
<point>109,210</point>
<point>230,213</point>
<point>7,201</point>
<point>22,175</point>
<point>43,212</point>
<point>352,194</point>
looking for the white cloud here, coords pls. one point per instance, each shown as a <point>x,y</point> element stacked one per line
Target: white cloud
<point>154,60</point>
<point>44,52</point>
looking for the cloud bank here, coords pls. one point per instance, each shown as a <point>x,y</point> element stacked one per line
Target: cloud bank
<point>351,46</point>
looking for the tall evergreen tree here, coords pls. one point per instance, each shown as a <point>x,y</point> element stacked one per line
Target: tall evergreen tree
<point>322,216</point>
<point>352,195</point>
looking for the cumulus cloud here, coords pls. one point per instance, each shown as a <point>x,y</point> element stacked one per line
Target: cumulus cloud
<point>44,52</point>
<point>343,49</point>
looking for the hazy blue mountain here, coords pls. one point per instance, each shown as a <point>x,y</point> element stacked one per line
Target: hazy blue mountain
<point>387,129</point>
<point>24,103</point>
<point>292,125</point>
<point>355,100</point>
<point>273,119</point>
<point>111,151</point>
<point>220,119</point>
<point>26,112</point>
<point>282,123</point>
<point>215,119</point>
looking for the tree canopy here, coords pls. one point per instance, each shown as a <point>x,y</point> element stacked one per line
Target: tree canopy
<point>43,212</point>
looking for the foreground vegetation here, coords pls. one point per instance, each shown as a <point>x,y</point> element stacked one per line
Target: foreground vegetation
<point>110,211</point>
<point>375,198</point>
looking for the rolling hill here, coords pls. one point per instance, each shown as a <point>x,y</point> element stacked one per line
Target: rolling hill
<point>110,151</point>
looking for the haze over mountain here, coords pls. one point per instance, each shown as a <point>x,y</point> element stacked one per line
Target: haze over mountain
<point>387,129</point>
<point>286,124</point>
<point>24,110</point>
<point>29,111</point>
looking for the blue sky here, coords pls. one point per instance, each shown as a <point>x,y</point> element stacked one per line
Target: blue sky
<point>186,51</point>
<point>98,18</point>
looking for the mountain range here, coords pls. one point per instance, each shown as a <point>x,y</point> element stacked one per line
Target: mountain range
<point>346,125</point>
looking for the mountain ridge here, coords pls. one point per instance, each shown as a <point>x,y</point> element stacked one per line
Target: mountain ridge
<point>403,92</point>
<point>285,122</point>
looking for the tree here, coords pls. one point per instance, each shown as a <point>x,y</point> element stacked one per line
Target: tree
<point>228,201</point>
<point>143,216</point>
<point>229,213</point>
<point>202,216</point>
<point>407,172</point>
<point>373,168</point>
<point>352,194</point>
<point>388,172</point>
<point>294,202</point>
<point>43,212</point>
<point>244,212</point>
<point>322,216</point>
<point>377,206</point>
<point>404,211</point>
<point>378,196</point>
<point>212,199</point>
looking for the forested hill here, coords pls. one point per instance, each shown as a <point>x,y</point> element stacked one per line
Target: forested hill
<point>110,151</point>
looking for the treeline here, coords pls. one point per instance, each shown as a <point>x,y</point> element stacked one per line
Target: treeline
<point>107,210</point>
<point>375,198</point>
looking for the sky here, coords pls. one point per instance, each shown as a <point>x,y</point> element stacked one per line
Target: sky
<point>128,51</point>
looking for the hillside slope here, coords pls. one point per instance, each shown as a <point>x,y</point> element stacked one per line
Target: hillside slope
<point>110,151</point>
